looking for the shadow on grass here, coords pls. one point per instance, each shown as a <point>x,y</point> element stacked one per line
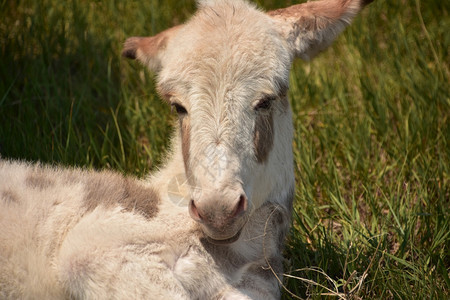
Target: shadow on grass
<point>61,93</point>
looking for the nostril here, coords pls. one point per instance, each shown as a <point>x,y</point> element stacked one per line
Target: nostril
<point>193,211</point>
<point>241,206</point>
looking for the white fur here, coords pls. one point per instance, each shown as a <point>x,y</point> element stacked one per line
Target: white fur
<point>69,233</point>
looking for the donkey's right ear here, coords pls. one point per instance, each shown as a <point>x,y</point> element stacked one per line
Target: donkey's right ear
<point>150,50</point>
<point>311,27</point>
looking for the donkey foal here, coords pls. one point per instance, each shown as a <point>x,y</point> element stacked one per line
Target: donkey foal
<point>87,235</point>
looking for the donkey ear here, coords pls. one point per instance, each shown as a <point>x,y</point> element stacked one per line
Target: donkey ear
<point>311,27</point>
<point>150,50</point>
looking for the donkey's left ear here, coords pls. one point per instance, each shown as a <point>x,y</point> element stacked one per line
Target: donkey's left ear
<point>151,50</point>
<point>311,27</point>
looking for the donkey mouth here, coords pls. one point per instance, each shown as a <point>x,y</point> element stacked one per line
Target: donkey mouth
<point>226,241</point>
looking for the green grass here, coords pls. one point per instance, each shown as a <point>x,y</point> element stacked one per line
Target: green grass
<point>371,116</point>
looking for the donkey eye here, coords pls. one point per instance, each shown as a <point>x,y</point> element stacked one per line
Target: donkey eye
<point>179,108</point>
<point>265,103</point>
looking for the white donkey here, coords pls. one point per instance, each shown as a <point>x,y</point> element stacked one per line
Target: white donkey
<point>68,233</point>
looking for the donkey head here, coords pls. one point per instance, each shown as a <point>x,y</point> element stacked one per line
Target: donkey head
<point>226,73</point>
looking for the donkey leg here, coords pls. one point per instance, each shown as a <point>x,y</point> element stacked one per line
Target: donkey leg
<point>129,272</point>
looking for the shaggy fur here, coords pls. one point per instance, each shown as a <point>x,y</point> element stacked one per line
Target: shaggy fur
<point>70,233</point>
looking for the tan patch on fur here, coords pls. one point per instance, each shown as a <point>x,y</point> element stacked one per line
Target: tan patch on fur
<point>9,197</point>
<point>39,180</point>
<point>263,136</point>
<point>185,129</point>
<point>109,190</point>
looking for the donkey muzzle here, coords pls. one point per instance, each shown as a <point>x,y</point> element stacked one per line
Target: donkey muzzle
<point>221,219</point>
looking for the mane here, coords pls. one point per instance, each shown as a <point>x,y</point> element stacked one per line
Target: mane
<point>226,8</point>
<point>230,3</point>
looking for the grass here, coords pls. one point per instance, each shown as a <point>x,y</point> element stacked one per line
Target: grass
<point>371,116</point>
